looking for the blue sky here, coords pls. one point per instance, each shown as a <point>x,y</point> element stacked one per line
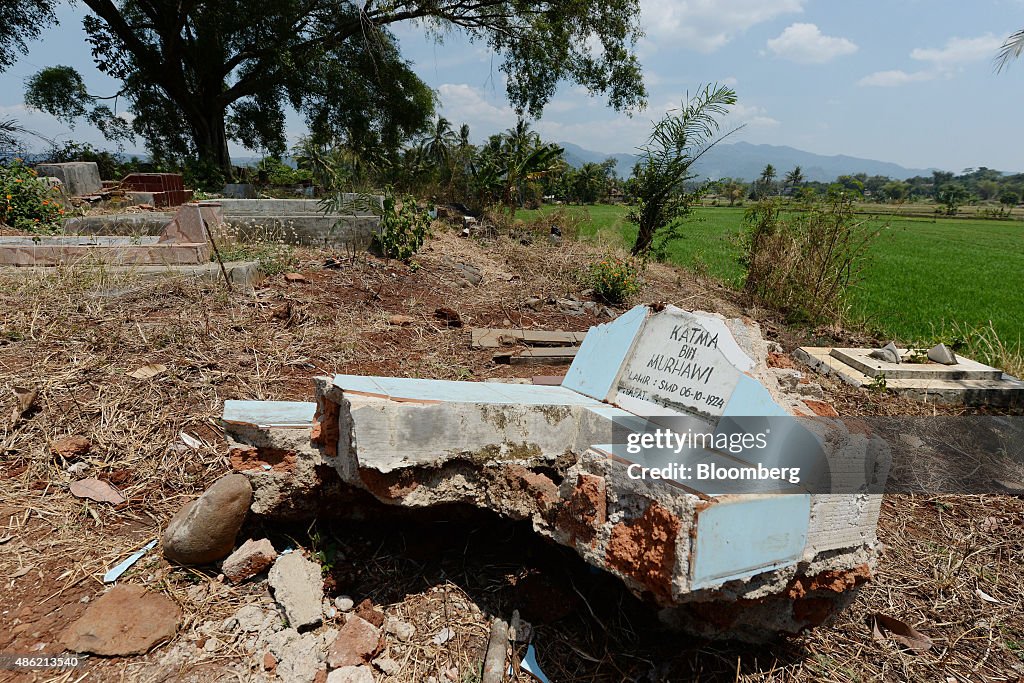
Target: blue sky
<point>907,81</point>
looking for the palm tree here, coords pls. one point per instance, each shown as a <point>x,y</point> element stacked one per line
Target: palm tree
<point>591,182</point>
<point>767,179</point>
<point>1011,49</point>
<point>437,145</point>
<point>794,178</point>
<point>677,141</point>
<point>11,133</point>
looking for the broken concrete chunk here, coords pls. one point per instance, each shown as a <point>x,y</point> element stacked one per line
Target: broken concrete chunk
<point>402,630</point>
<point>299,657</point>
<point>248,619</point>
<point>251,558</point>
<point>357,642</point>
<point>888,353</point>
<point>127,620</point>
<point>940,353</point>
<point>299,590</point>
<point>204,530</point>
<point>388,666</point>
<point>351,674</point>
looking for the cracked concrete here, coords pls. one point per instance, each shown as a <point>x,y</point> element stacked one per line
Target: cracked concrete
<point>719,564</point>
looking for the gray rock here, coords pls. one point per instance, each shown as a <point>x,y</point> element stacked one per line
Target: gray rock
<point>940,353</point>
<point>888,353</point>
<point>204,530</point>
<point>788,378</point>
<point>351,674</point>
<point>299,590</point>
<point>78,177</point>
<point>344,603</point>
<point>810,390</point>
<point>570,306</point>
<point>402,630</point>
<point>534,303</point>
<point>299,657</point>
<point>387,666</point>
<point>249,619</point>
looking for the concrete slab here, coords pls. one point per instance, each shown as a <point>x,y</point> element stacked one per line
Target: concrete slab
<point>50,251</point>
<point>243,274</point>
<point>553,455</point>
<point>925,382</point>
<point>965,368</point>
<point>79,177</point>
<point>300,224</point>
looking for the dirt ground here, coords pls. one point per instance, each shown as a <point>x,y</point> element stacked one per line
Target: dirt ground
<point>951,566</point>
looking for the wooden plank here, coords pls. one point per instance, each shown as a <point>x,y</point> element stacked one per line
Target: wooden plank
<point>492,338</point>
<point>553,355</point>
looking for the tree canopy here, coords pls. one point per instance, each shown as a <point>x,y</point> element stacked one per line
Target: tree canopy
<point>20,23</point>
<point>196,74</point>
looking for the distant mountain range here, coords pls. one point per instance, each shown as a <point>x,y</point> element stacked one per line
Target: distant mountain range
<point>745,161</point>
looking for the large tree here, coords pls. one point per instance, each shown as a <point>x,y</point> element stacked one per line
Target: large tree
<point>196,74</point>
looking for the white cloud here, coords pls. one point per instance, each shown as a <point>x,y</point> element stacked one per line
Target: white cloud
<point>806,44</point>
<point>959,51</point>
<point>944,62</point>
<point>752,116</point>
<point>464,103</point>
<point>706,25</point>
<point>896,77</point>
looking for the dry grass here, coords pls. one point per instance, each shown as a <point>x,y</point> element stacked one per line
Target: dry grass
<point>75,333</point>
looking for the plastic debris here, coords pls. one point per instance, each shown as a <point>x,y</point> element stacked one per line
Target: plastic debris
<point>530,665</point>
<point>115,573</point>
<point>443,636</point>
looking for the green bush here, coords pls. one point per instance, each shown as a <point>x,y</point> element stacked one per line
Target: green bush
<point>26,202</point>
<point>280,173</point>
<point>615,279</point>
<point>109,165</point>
<point>803,260</point>
<point>403,227</point>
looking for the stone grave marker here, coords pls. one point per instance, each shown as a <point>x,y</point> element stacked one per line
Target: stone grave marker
<point>553,454</point>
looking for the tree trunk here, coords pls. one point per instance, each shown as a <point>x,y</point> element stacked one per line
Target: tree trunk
<point>644,238</point>
<point>212,140</point>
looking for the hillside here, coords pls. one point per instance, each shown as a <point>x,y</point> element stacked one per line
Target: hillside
<point>745,160</point>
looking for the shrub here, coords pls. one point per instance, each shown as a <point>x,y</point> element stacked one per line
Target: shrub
<point>26,202</point>
<point>252,242</point>
<point>615,279</point>
<point>803,261</point>
<point>110,166</point>
<point>403,227</point>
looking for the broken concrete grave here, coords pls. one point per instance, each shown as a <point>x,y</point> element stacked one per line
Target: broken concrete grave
<point>296,221</point>
<point>720,563</point>
<point>181,241</point>
<point>960,381</point>
<point>78,177</point>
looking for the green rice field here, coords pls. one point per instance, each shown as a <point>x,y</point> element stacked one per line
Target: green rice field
<point>924,275</point>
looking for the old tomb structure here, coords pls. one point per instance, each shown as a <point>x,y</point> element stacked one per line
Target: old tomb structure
<point>296,221</point>
<point>182,240</point>
<point>959,380</point>
<point>726,556</point>
<point>181,248</point>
